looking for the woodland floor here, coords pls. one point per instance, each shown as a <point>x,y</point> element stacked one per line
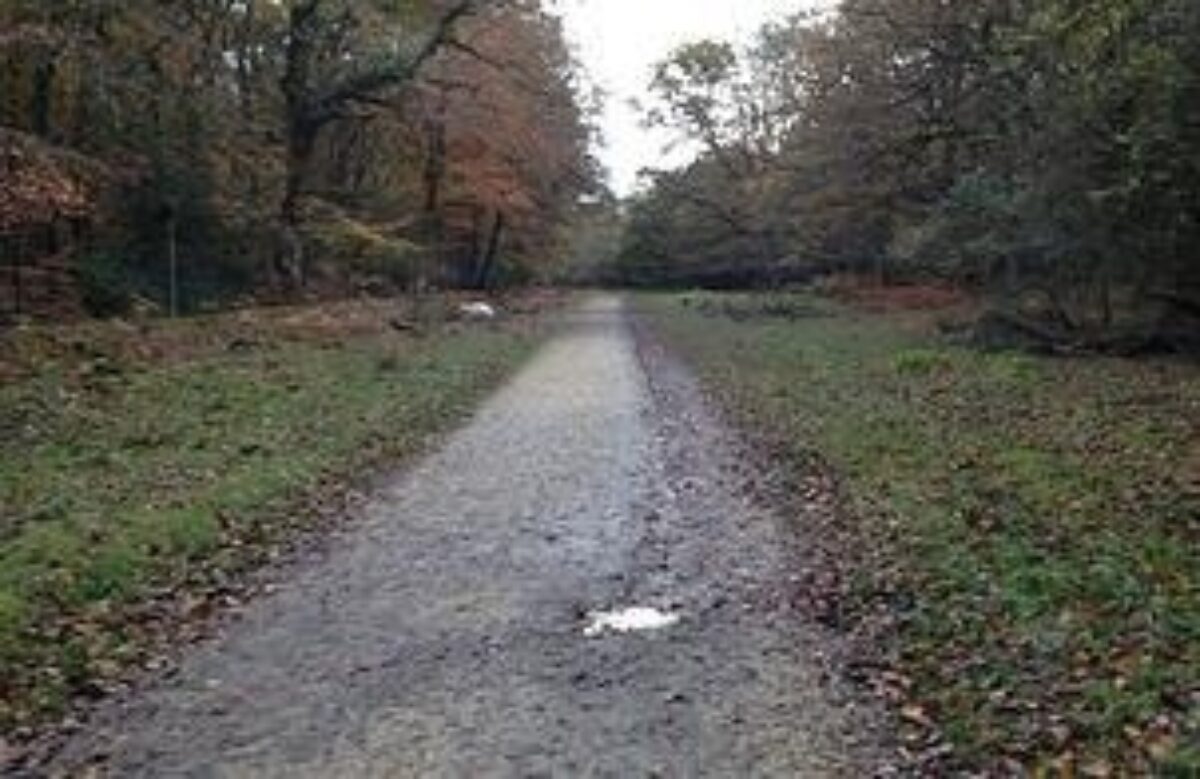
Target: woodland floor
<point>446,630</point>
<point>146,467</point>
<point>1017,545</point>
<point>999,550</point>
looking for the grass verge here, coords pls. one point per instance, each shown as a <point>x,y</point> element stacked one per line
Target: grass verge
<point>1042,516</point>
<point>141,471</point>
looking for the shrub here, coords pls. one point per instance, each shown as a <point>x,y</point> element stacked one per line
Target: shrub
<point>358,248</point>
<point>920,362</point>
<point>106,284</point>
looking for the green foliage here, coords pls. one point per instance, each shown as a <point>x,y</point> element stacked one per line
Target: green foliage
<point>920,362</point>
<point>686,231</point>
<point>969,236</point>
<point>364,251</point>
<point>105,283</point>
<point>1047,144</point>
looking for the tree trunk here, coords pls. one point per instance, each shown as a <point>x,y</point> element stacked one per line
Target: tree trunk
<point>434,176</point>
<point>173,261</point>
<point>435,165</point>
<point>289,259</point>
<point>302,131</point>
<point>43,97</point>
<point>18,259</point>
<point>487,262</point>
<point>1106,300</point>
<point>1012,274</point>
<point>469,268</point>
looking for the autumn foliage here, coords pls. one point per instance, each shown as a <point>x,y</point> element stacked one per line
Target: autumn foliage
<point>317,146</point>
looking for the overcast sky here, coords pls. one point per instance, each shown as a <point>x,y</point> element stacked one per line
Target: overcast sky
<point>619,41</point>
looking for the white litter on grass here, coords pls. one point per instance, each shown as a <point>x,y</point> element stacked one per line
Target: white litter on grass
<point>477,310</point>
<point>628,620</point>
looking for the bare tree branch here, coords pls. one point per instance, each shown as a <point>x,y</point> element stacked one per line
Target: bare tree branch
<point>395,73</point>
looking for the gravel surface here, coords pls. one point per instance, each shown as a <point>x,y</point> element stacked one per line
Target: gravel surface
<point>445,635</point>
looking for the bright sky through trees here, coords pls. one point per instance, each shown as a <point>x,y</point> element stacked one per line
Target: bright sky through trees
<point>619,42</point>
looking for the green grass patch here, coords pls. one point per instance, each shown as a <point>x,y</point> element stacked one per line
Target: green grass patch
<point>148,477</point>
<point>1046,518</point>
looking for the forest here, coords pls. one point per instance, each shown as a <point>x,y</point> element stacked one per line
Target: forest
<point>1043,152</point>
<point>172,156</point>
<point>350,400</point>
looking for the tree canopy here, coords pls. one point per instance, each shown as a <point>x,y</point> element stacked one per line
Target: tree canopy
<point>303,144</point>
<point>1009,145</point>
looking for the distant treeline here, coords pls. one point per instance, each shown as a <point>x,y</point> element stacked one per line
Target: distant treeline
<point>1047,151</point>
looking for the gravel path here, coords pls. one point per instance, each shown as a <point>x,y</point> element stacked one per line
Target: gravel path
<point>445,636</point>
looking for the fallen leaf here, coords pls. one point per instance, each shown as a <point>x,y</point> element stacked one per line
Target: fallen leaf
<point>916,715</point>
